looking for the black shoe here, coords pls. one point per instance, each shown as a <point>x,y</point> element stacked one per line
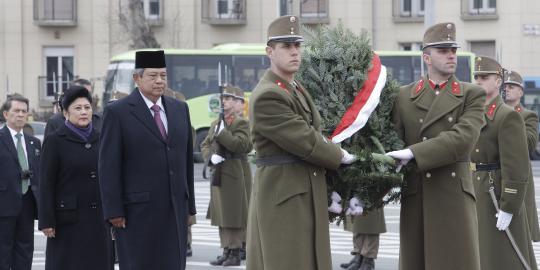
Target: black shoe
<point>189,252</point>
<point>220,259</point>
<point>346,265</point>
<point>368,264</point>
<point>233,259</point>
<point>357,261</point>
<point>243,252</point>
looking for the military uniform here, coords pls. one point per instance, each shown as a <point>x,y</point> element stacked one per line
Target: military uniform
<point>366,231</point>
<point>531,125</point>
<point>288,214</point>
<point>502,162</point>
<point>440,125</point>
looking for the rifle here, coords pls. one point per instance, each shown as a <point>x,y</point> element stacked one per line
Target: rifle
<point>216,175</point>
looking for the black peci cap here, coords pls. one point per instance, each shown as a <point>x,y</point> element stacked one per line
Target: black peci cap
<point>150,59</point>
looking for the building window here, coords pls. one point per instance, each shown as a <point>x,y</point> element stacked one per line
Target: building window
<point>411,8</point>
<point>224,11</point>
<point>152,9</point>
<point>410,46</point>
<point>55,12</point>
<point>483,48</point>
<point>482,6</point>
<point>285,7</point>
<point>314,9</point>
<point>58,63</point>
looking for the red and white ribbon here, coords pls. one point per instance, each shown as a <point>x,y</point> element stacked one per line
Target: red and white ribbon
<point>364,103</point>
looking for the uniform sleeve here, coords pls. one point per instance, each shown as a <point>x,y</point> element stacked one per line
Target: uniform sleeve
<point>236,139</point>
<point>514,160</point>
<point>275,120</point>
<point>206,144</point>
<point>531,125</point>
<point>190,167</point>
<point>49,170</point>
<point>110,165</point>
<point>451,145</point>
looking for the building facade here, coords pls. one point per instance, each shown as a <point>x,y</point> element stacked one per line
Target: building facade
<point>46,43</point>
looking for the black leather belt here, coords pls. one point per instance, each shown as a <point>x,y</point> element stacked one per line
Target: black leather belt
<point>276,160</point>
<point>485,167</point>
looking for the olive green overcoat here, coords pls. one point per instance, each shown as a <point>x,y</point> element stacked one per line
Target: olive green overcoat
<point>502,141</point>
<point>531,126</point>
<point>288,214</point>
<point>229,202</point>
<point>438,223</point>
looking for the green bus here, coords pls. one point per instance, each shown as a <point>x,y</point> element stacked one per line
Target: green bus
<point>194,73</point>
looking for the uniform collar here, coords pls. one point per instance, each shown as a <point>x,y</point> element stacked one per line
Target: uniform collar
<point>518,108</point>
<point>282,83</point>
<point>452,85</point>
<point>149,103</point>
<point>492,108</point>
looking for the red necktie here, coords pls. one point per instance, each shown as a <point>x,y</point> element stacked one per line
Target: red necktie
<point>159,123</point>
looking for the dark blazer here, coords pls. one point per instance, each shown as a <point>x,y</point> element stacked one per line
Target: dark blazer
<point>10,172</point>
<point>70,203</point>
<point>57,121</point>
<point>147,180</point>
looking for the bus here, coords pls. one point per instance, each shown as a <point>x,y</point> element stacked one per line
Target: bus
<point>194,73</point>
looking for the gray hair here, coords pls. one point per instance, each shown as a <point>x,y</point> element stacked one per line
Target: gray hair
<point>139,71</point>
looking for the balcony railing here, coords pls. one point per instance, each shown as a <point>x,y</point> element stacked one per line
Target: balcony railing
<point>224,12</point>
<point>55,12</point>
<point>48,90</point>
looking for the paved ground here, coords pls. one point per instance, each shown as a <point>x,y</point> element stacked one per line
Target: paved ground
<point>206,240</point>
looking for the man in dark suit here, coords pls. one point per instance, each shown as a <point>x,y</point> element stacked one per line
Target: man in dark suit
<point>58,119</point>
<point>146,170</point>
<point>19,160</point>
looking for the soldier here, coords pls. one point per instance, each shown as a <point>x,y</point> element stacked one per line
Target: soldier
<point>439,118</point>
<point>226,145</point>
<point>366,231</point>
<point>288,218</point>
<point>501,162</point>
<point>514,91</point>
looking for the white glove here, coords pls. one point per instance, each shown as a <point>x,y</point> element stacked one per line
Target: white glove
<point>356,207</point>
<point>221,127</point>
<point>335,207</point>
<point>347,158</point>
<point>503,220</point>
<point>216,159</point>
<point>404,156</point>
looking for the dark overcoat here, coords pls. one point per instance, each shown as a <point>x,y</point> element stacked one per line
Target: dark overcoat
<point>70,203</point>
<point>148,180</point>
<point>531,128</point>
<point>10,172</point>
<point>438,223</point>
<point>502,142</point>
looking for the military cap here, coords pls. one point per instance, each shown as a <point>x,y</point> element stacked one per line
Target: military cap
<point>235,92</point>
<point>150,59</point>
<point>442,35</point>
<point>285,29</point>
<point>485,65</point>
<point>513,77</point>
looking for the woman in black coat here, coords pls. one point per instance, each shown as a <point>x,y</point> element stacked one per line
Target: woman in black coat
<point>70,212</point>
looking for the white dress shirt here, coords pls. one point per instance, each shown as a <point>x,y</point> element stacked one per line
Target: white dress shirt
<point>13,133</point>
<point>149,103</point>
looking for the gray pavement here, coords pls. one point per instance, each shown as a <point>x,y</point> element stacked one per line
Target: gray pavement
<point>206,239</point>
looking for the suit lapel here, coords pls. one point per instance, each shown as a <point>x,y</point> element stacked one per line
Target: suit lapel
<point>5,136</point>
<point>444,103</point>
<point>142,113</point>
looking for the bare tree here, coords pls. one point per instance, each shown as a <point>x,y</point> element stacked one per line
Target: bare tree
<point>136,26</point>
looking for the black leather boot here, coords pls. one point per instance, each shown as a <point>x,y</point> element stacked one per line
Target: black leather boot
<point>220,259</point>
<point>346,265</point>
<point>355,265</point>
<point>233,259</point>
<point>368,264</point>
<point>243,252</point>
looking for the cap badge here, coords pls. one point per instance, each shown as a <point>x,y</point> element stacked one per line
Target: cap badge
<point>293,19</point>
<point>449,26</point>
<point>292,30</point>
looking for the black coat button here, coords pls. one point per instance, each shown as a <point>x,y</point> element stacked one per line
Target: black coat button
<point>93,175</point>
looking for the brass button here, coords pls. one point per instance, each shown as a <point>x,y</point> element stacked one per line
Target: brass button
<point>477,150</point>
<point>428,175</point>
<point>314,173</point>
<point>450,119</point>
<point>437,92</point>
<point>424,139</point>
<point>478,178</point>
<point>421,120</point>
<point>453,174</point>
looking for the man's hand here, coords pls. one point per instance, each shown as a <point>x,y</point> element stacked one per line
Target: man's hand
<point>216,159</point>
<point>118,222</point>
<point>356,207</point>
<point>49,232</point>
<point>335,207</point>
<point>503,220</point>
<point>347,158</point>
<point>404,155</point>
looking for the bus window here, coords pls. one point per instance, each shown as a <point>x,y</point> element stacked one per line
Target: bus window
<point>196,75</point>
<point>404,68</point>
<point>248,69</point>
<point>463,71</point>
<point>119,79</point>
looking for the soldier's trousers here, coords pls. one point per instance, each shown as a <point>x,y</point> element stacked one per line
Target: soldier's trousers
<point>231,237</point>
<point>366,245</point>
